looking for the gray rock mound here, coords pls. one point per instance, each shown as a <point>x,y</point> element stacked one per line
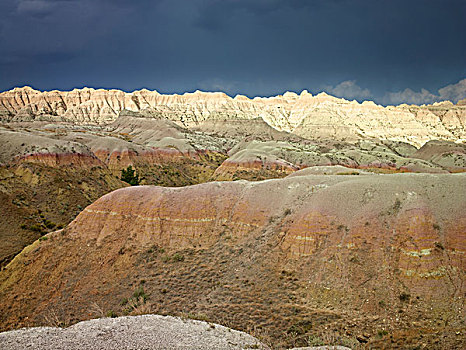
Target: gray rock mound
<point>132,332</point>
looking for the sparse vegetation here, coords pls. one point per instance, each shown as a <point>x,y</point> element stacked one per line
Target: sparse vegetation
<point>173,258</point>
<point>313,340</point>
<point>404,297</point>
<point>111,314</point>
<point>136,304</point>
<point>318,286</point>
<point>381,333</point>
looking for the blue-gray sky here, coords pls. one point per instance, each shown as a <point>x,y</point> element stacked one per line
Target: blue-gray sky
<point>391,51</point>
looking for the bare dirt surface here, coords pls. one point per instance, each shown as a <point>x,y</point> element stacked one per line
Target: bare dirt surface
<point>149,332</point>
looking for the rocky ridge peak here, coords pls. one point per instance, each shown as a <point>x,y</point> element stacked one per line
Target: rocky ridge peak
<point>319,116</point>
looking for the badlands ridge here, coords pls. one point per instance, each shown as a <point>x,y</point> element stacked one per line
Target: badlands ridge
<point>305,115</point>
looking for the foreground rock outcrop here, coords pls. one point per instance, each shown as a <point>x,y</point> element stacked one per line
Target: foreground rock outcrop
<point>315,117</point>
<point>375,259</point>
<point>139,332</point>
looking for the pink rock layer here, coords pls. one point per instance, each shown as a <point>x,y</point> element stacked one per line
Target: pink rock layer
<point>61,159</point>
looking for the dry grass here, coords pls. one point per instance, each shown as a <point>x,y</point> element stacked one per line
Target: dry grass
<point>96,310</point>
<point>53,318</point>
<point>138,306</point>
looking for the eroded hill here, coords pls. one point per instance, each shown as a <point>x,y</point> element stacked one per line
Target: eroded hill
<point>51,170</point>
<point>371,259</point>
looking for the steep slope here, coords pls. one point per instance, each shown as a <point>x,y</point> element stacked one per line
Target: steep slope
<point>44,184</point>
<point>449,155</point>
<point>377,259</point>
<point>49,172</point>
<point>321,116</point>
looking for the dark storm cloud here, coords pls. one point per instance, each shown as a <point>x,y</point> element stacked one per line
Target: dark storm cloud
<point>357,49</point>
<point>34,27</point>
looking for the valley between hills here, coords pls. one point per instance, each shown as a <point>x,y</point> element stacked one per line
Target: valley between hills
<point>302,220</point>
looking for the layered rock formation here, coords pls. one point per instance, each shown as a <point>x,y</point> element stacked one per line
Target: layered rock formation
<point>276,256</point>
<point>50,172</point>
<point>44,184</point>
<point>85,162</point>
<point>320,116</point>
<point>19,147</point>
<point>334,250</point>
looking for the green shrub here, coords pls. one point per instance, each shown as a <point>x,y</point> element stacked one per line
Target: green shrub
<point>139,293</point>
<point>313,340</point>
<point>36,228</point>
<point>129,176</point>
<point>381,333</point>
<point>177,257</point>
<point>112,314</point>
<point>136,302</point>
<point>348,173</point>
<point>49,224</point>
<point>174,258</point>
<point>404,297</point>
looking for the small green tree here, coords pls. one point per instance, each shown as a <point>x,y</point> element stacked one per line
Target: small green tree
<point>129,175</point>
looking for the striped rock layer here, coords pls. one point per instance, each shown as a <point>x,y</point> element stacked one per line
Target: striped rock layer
<point>347,249</point>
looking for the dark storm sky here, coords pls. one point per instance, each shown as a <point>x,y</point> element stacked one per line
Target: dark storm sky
<point>391,51</point>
